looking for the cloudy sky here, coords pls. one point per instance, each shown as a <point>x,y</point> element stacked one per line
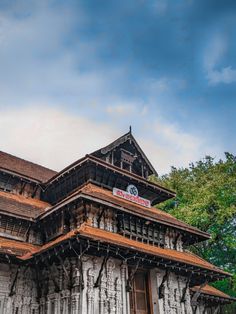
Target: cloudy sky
<point>75,74</point>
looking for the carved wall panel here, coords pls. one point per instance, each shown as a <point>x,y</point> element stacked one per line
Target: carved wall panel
<point>62,291</point>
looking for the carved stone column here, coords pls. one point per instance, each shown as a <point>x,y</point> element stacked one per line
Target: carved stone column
<point>103,296</point>
<point>118,296</point>
<point>124,294</point>
<point>90,291</point>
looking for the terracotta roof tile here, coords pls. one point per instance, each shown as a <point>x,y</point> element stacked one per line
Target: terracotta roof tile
<point>109,237</point>
<point>153,212</point>
<point>16,248</point>
<point>25,168</point>
<point>96,234</point>
<point>209,290</point>
<point>21,206</point>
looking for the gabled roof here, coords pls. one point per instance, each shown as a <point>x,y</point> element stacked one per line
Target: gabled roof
<point>124,138</point>
<point>20,206</point>
<point>22,167</point>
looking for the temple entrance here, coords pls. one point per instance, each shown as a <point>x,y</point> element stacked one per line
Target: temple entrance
<point>139,297</point>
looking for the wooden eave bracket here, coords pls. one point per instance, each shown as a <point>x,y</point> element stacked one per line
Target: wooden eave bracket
<point>63,266</point>
<point>130,279</point>
<point>12,292</point>
<point>100,216</point>
<point>183,298</point>
<point>53,276</point>
<point>162,285</point>
<point>196,295</point>
<point>80,255</point>
<point>216,309</point>
<point>104,263</point>
<point>38,282</point>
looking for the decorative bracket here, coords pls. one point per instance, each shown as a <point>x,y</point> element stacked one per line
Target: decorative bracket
<point>183,298</point>
<point>100,216</point>
<point>104,262</point>
<point>55,282</point>
<point>131,277</point>
<point>12,292</point>
<point>176,240</point>
<point>195,297</point>
<point>216,309</point>
<point>38,282</point>
<point>162,285</point>
<point>63,266</point>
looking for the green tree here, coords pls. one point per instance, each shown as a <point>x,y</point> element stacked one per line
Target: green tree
<point>206,198</point>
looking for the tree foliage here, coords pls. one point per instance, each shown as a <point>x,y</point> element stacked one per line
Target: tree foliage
<point>206,199</point>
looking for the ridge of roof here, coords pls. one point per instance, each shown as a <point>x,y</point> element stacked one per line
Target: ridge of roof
<point>21,166</point>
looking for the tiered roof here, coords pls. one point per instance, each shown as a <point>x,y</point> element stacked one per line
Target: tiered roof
<point>16,248</point>
<point>34,209</point>
<point>24,168</point>
<point>102,236</point>
<point>20,206</point>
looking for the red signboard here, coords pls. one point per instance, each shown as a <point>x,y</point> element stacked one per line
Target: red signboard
<point>132,198</point>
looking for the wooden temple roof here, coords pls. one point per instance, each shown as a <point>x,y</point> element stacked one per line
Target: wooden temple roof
<point>96,193</point>
<point>119,240</point>
<point>25,168</point>
<point>18,205</point>
<point>16,248</point>
<point>145,212</point>
<point>103,163</point>
<point>124,138</point>
<point>102,236</point>
<point>209,290</point>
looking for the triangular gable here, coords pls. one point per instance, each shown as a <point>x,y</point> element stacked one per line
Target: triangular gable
<point>125,153</point>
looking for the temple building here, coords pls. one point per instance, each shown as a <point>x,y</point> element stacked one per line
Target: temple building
<point>90,240</point>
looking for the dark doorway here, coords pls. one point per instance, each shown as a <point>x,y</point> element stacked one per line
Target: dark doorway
<point>139,296</point>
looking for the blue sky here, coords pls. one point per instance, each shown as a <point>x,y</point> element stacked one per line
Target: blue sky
<point>75,74</point>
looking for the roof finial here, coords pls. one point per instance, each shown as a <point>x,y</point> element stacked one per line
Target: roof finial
<point>130,129</point>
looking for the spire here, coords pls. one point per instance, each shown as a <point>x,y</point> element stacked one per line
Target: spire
<point>130,129</point>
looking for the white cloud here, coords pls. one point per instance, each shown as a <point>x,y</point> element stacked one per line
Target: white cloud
<point>51,137</point>
<point>216,49</point>
<point>169,146</point>
<point>37,67</point>
<point>121,110</point>
<point>42,59</point>
<point>225,75</point>
<point>56,138</point>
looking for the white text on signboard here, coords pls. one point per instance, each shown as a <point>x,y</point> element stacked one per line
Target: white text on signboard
<point>132,198</point>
